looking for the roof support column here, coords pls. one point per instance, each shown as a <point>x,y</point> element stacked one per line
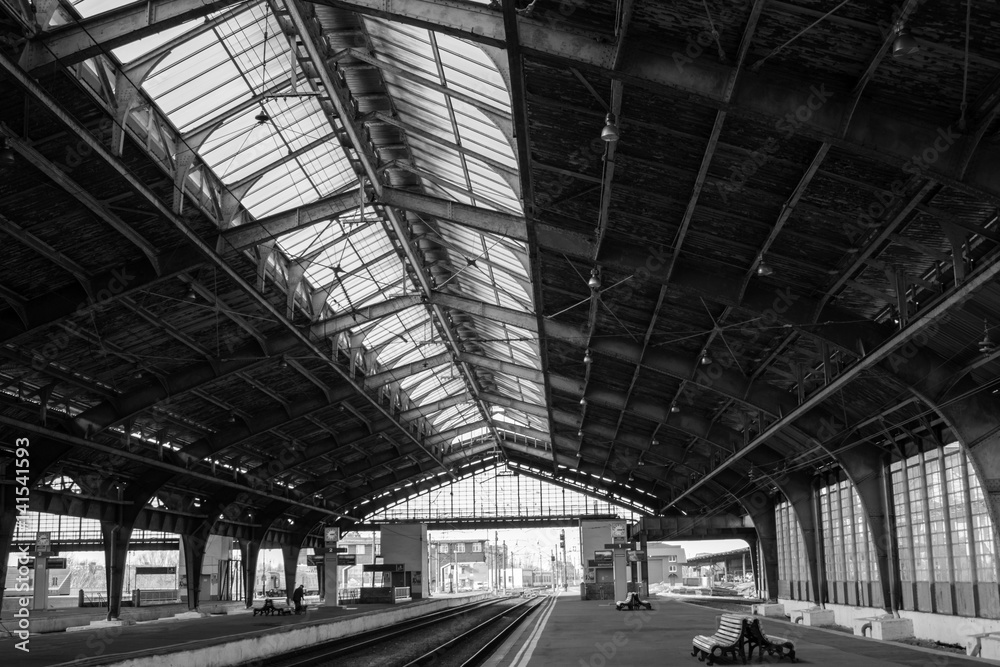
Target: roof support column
<point>8,518</point>
<point>891,589</point>
<point>820,584</point>
<point>194,557</point>
<point>761,510</point>
<point>249,554</point>
<point>290,557</point>
<point>116,537</point>
<point>800,497</point>
<point>867,473</point>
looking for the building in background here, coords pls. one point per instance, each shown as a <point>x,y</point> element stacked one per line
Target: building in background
<point>666,563</point>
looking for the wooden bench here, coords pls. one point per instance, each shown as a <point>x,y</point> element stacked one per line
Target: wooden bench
<point>729,638</point>
<point>631,602</point>
<point>760,640</point>
<point>269,609</point>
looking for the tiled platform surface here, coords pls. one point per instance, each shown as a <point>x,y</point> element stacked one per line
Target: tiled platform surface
<point>592,634</point>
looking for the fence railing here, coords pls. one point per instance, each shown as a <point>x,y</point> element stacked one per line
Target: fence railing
<point>147,596</point>
<point>348,595</point>
<point>93,599</point>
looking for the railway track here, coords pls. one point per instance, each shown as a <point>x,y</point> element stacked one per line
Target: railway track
<point>456,636</point>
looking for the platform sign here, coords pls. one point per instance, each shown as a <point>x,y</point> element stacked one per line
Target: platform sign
<point>619,531</point>
<point>52,564</point>
<point>347,559</point>
<point>314,559</point>
<point>384,567</point>
<point>636,555</point>
<point>603,557</point>
<point>43,543</point>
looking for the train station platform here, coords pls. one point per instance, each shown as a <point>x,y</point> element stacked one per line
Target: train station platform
<point>577,633</point>
<point>199,641</point>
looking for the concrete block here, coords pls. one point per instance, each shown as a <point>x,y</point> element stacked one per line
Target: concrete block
<point>990,647</point>
<point>891,628</point>
<point>974,643</point>
<point>863,626</point>
<point>817,617</point>
<point>772,610</point>
<point>183,616</point>
<point>98,625</point>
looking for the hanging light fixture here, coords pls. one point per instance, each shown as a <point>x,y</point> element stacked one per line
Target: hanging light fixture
<point>705,359</point>
<point>583,401</point>
<point>986,345</point>
<point>262,116</point>
<point>579,433</point>
<point>587,359</point>
<point>674,408</point>
<point>610,131</point>
<point>904,44</point>
<point>763,268</point>
<point>595,281</point>
<point>232,417</point>
<point>654,442</point>
<point>7,157</point>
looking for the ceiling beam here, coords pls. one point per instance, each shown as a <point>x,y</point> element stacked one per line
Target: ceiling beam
<point>918,326</point>
<point>150,462</point>
<point>85,38</point>
<point>886,137</point>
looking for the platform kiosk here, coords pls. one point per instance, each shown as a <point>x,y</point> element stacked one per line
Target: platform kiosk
<point>386,583</point>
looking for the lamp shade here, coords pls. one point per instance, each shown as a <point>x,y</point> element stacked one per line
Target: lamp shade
<point>7,157</point>
<point>904,44</point>
<point>610,131</point>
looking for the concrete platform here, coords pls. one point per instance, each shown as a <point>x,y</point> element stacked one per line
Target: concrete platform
<point>198,642</point>
<point>591,633</point>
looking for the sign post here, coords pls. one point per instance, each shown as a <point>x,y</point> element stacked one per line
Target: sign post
<point>43,549</point>
<point>331,536</point>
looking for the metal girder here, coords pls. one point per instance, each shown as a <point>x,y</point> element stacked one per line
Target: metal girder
<point>883,352</point>
<point>560,416</point>
<point>45,250</point>
<point>107,413</point>
<point>481,219</point>
<point>403,492</point>
<point>437,406</point>
<point>73,300</point>
<point>357,318</point>
<point>505,367</point>
<point>96,207</point>
<point>475,217</point>
<point>396,374</point>
<point>271,227</point>
<point>85,38</point>
<point>149,462</point>
<point>652,65</point>
<point>106,509</point>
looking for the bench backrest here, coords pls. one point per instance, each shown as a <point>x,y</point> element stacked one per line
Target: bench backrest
<point>755,630</point>
<point>730,627</point>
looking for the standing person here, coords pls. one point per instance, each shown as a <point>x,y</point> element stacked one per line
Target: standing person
<point>297,596</point>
